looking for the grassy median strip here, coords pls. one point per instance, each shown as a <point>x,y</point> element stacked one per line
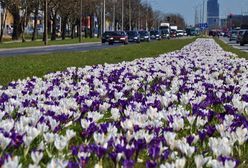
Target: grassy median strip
<point>7,45</point>
<point>229,48</point>
<point>20,67</point>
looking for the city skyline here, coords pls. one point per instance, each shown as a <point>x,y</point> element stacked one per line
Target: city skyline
<point>189,7</point>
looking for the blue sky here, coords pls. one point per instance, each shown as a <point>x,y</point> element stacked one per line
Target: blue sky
<point>187,7</point>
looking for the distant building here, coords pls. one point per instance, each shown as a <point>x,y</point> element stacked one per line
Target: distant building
<point>223,23</point>
<point>234,21</point>
<point>213,14</point>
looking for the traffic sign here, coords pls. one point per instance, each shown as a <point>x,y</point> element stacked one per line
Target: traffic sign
<point>203,25</point>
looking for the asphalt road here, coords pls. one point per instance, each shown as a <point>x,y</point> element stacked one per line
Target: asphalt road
<point>59,48</point>
<point>234,44</point>
<point>54,49</point>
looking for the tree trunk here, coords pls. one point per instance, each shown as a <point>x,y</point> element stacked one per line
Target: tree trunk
<point>54,19</point>
<point>17,26</point>
<point>35,23</point>
<point>3,21</point>
<point>72,30</point>
<point>63,27</point>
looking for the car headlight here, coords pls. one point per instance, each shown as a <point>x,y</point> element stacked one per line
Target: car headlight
<point>146,37</point>
<point>111,38</point>
<point>135,38</point>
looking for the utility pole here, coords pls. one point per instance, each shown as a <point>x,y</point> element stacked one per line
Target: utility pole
<point>114,3</point>
<point>146,15</point>
<point>80,21</point>
<point>104,15</point>
<point>130,16</point>
<point>122,15</point>
<point>203,16</point>
<point>101,20</point>
<point>46,24</point>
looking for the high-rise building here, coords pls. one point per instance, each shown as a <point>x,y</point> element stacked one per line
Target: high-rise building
<point>213,13</point>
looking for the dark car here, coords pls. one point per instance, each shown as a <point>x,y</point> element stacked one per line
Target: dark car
<point>155,35</point>
<point>244,38</point>
<point>173,33</point>
<point>118,37</point>
<point>144,36</point>
<point>165,34</point>
<point>233,35</point>
<point>133,36</point>
<point>239,35</point>
<point>105,36</point>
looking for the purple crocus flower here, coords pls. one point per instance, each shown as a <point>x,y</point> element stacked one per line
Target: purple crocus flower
<point>151,164</point>
<point>154,152</point>
<point>128,163</point>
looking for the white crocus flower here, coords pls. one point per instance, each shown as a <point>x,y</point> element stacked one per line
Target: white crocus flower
<point>12,163</point>
<point>200,161</point>
<point>60,142</point>
<point>36,157</point>
<point>215,164</point>
<point>115,114</point>
<point>167,165</point>
<point>4,142</point>
<point>95,116</point>
<point>83,155</point>
<point>70,134</point>
<point>33,166</point>
<point>220,146</point>
<point>184,147</point>
<point>127,124</point>
<point>85,123</point>
<point>101,139</point>
<point>242,135</point>
<point>57,163</point>
<point>170,139</point>
<point>7,124</point>
<point>230,164</point>
<point>49,137</point>
<point>180,163</point>
<point>178,124</point>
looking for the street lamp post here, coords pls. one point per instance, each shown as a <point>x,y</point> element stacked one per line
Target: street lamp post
<point>80,21</point>
<point>114,3</point>
<point>146,15</point>
<point>130,16</point>
<point>122,15</point>
<point>46,24</point>
<point>104,15</point>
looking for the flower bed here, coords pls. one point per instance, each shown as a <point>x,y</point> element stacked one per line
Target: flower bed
<point>188,108</point>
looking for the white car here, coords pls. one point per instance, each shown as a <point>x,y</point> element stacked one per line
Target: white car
<point>180,33</point>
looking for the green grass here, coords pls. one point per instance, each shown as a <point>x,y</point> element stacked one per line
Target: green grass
<point>41,43</point>
<point>20,67</point>
<point>229,48</point>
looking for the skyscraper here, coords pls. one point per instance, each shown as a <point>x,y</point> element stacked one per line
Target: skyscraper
<point>213,13</point>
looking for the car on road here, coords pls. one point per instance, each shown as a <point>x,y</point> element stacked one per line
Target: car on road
<point>155,35</point>
<point>180,33</point>
<point>244,38</point>
<point>133,36</point>
<point>233,35</point>
<point>144,36</point>
<point>105,36</point>
<point>165,34</point>
<point>118,37</point>
<point>173,33</point>
<point>239,35</point>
